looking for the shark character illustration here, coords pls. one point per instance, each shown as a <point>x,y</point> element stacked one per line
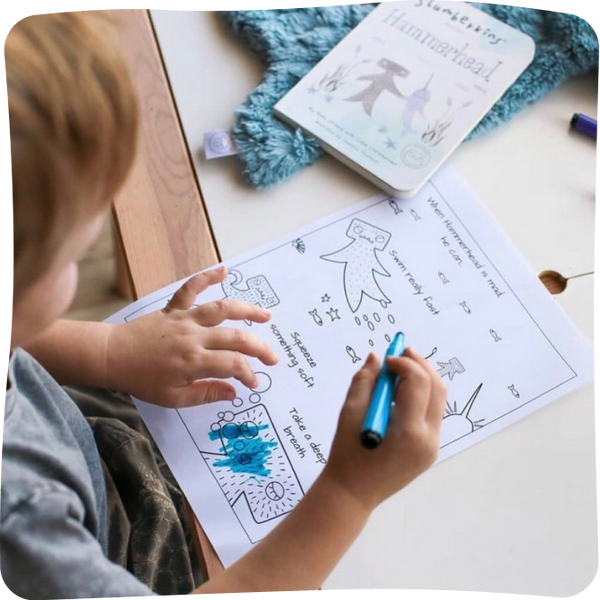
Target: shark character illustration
<point>414,105</point>
<point>380,82</point>
<point>257,291</point>
<point>361,263</point>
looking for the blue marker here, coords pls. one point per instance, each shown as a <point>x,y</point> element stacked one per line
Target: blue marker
<point>378,415</point>
<point>585,125</point>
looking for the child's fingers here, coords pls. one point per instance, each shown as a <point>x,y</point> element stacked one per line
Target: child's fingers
<point>203,391</point>
<point>363,383</point>
<point>228,338</point>
<point>184,297</point>
<point>214,313</point>
<point>224,364</point>
<point>413,391</point>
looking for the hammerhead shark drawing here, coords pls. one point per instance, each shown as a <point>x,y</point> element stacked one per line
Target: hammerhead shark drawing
<point>380,82</point>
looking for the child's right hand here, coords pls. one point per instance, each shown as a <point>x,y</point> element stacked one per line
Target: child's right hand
<point>411,443</point>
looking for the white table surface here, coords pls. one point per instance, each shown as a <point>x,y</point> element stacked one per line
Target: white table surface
<point>517,512</point>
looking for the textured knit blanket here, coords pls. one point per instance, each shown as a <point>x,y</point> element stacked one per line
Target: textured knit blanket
<point>292,41</point>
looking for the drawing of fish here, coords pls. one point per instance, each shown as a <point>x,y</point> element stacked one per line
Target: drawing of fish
<point>315,315</point>
<point>443,278</point>
<point>466,307</point>
<point>415,214</point>
<point>397,210</point>
<point>496,337</point>
<point>352,355</point>
<point>414,105</point>
<point>513,391</point>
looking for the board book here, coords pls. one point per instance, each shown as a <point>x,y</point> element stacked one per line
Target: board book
<point>396,96</point>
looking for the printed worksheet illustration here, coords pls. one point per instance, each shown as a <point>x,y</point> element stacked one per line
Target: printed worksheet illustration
<point>252,468</point>
<point>435,266</point>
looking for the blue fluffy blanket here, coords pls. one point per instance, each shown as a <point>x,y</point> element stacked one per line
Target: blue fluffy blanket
<point>292,41</point>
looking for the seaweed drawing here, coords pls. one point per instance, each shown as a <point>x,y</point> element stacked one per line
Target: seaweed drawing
<point>436,131</point>
<point>299,245</point>
<point>332,82</point>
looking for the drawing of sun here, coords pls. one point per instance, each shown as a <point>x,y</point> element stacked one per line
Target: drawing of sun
<point>455,424</point>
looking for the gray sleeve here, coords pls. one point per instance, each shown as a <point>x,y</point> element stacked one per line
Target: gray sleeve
<point>47,552</point>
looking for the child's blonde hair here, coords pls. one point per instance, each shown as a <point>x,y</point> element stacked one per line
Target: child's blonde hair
<point>73,124</point>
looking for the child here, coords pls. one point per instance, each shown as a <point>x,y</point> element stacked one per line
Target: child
<point>73,124</point>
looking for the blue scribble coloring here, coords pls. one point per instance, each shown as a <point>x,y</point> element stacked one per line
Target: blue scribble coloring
<point>246,451</point>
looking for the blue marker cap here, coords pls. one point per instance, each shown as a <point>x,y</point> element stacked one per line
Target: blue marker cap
<point>378,414</point>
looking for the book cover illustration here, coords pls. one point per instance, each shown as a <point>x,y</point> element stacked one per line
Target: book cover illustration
<point>397,95</point>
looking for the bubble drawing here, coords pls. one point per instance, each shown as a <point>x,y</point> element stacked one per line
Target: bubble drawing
<point>264,382</point>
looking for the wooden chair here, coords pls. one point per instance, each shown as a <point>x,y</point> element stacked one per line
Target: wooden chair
<point>162,227</point>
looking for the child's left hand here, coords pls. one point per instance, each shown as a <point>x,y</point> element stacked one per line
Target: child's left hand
<point>166,357</point>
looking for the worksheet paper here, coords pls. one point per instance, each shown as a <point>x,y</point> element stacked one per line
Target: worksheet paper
<point>436,267</point>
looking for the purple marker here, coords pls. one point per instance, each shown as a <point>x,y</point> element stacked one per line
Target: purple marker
<point>585,125</point>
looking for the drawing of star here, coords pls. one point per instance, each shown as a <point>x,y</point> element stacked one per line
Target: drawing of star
<point>325,298</point>
<point>382,129</point>
<point>333,313</point>
<point>312,90</point>
<point>390,144</point>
